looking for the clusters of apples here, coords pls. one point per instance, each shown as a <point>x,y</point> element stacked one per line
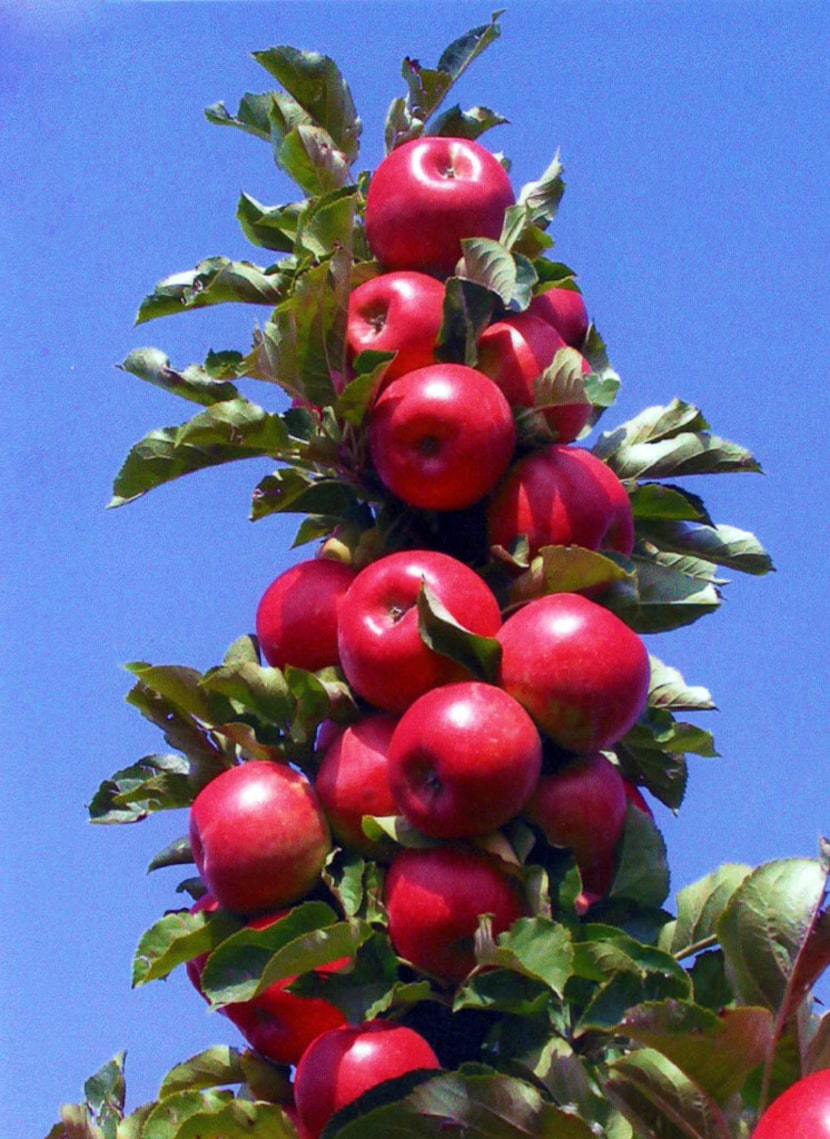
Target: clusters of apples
<point>457,757</point>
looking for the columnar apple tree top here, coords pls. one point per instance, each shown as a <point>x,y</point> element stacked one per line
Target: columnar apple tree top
<point>425,886</point>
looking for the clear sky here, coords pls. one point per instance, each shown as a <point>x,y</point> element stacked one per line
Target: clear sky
<point>695,142</point>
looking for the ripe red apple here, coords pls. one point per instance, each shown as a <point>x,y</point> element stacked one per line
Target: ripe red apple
<point>258,836</point>
<point>353,779</point>
<point>561,496</point>
<point>381,650</point>
<point>278,1024</point>
<point>463,760</point>
<point>514,352</point>
<point>296,619</point>
<point>801,1112</point>
<point>396,312</point>
<point>441,437</point>
<point>582,805</point>
<point>565,310</point>
<point>342,1064</point>
<point>427,195</point>
<point>433,899</point>
<point>577,668</point>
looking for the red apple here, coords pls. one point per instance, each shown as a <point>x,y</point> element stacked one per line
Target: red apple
<point>434,897</point>
<point>582,805</point>
<point>353,779</point>
<point>427,195</point>
<point>565,310</point>
<point>577,668</point>
<point>278,1024</point>
<point>381,650</point>
<point>342,1064</point>
<point>463,760</point>
<point>561,496</point>
<point>801,1112</point>
<point>296,620</point>
<point>441,437</point>
<point>396,312</point>
<point>514,352</point>
<point>258,836</point>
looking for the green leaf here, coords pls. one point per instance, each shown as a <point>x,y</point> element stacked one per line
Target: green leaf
<point>369,987</point>
<point>457,56</point>
<point>224,433</point>
<point>176,853</point>
<point>209,1069</point>
<point>215,1115</point>
<point>668,690</point>
<point>195,383</point>
<point>308,937</point>
<point>652,502</point>
<point>663,773</point>
<point>664,596</point>
<point>214,281</point>
<point>183,732</point>
<point>442,633</point>
<point>356,398</point>
<point>765,924</point>
<point>251,687</point>
<point>471,124</point>
<point>699,908</point>
<point>510,276</point>
<point>104,1093</point>
<point>182,687</point>
<point>272,227</point>
<point>176,938</point>
<point>309,156</point>
<point>477,1105</point>
<point>534,947</point>
<point>716,1051</point>
<point>564,569</point>
<point>327,225</point>
<point>642,872</point>
<point>304,341</point>
<point>154,783</point>
<point>661,1102</point>
<point>253,115</point>
<point>298,492</point>
<point>314,81</point>
<point>468,307</point>
<point>723,545</point>
<point>542,197</point>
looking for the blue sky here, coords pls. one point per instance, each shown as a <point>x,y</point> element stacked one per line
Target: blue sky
<point>695,144</point>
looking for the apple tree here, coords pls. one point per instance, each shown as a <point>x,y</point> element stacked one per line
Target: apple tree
<point>411,802</point>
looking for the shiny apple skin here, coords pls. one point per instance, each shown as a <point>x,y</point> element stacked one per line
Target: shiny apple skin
<point>581,673</point>
<point>296,619</point>
<point>561,496</point>
<point>441,437</point>
<point>514,352</point>
<point>278,1024</point>
<point>433,900</point>
<point>342,1064</point>
<point>381,650</point>
<point>463,760</point>
<point>801,1112</point>
<point>583,806</point>
<point>353,780</point>
<point>396,312</point>
<point>427,195</point>
<point>565,310</point>
<point>259,837</point>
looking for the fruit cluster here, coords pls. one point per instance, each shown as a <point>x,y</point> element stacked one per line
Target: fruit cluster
<point>452,757</point>
<point>428,878</point>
